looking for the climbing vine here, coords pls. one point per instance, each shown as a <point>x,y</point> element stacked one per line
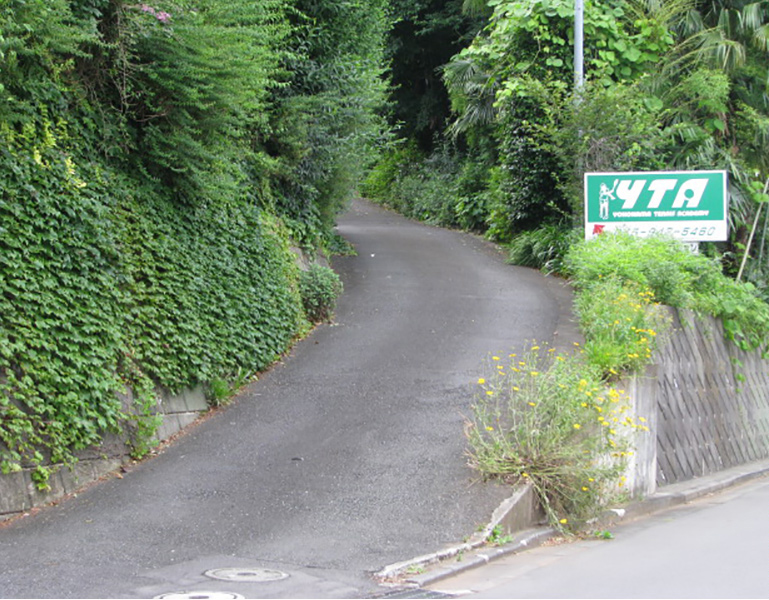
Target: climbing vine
<point>149,155</point>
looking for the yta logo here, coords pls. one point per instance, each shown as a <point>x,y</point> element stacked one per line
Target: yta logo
<point>687,192</point>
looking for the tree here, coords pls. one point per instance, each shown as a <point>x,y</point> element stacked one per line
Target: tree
<point>424,37</point>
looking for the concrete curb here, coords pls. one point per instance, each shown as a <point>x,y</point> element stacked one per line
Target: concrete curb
<point>431,568</point>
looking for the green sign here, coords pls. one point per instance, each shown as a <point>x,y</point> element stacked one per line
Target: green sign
<point>689,205</point>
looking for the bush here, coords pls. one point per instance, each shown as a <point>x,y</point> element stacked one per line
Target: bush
<point>319,287</point>
<point>378,184</point>
<point>677,278</point>
<point>661,264</point>
<point>543,248</point>
<point>620,321</point>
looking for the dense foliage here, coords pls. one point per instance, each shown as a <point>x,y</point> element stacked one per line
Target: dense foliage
<point>320,288</point>
<point>156,162</point>
<point>669,85</point>
<point>675,277</point>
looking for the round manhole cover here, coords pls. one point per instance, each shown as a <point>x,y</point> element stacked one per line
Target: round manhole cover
<point>200,596</point>
<point>247,575</point>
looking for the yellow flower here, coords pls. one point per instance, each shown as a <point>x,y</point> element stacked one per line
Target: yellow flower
<point>524,474</point>
<point>489,393</point>
<point>534,373</point>
<point>516,388</point>
<point>584,488</point>
<point>489,428</point>
<point>577,426</point>
<point>532,403</point>
<point>563,521</point>
<point>494,358</point>
<point>535,347</point>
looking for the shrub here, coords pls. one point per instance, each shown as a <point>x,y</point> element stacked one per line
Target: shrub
<point>549,419</point>
<point>620,321</point>
<point>661,264</point>
<point>677,278</point>
<point>319,287</point>
<point>543,248</point>
<point>378,184</point>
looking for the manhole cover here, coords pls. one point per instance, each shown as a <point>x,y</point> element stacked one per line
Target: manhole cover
<point>246,575</point>
<point>200,596</point>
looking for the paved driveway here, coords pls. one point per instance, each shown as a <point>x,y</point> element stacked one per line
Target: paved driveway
<point>346,457</point>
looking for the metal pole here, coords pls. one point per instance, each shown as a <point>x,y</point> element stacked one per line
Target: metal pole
<point>752,233</point>
<point>579,53</point>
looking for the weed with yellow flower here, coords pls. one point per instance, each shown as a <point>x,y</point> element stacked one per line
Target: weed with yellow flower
<point>554,423</point>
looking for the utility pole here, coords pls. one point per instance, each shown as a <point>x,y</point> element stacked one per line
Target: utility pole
<point>579,51</point>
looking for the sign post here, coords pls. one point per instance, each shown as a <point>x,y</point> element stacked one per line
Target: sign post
<point>691,206</point>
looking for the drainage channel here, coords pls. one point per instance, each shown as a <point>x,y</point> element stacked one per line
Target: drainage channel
<point>246,575</point>
<point>201,596</point>
<point>235,575</point>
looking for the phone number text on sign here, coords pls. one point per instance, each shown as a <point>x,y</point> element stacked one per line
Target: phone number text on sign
<point>688,205</point>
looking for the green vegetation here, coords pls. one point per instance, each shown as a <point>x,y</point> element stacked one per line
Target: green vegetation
<point>673,85</point>
<point>550,419</point>
<point>319,287</point>
<point>157,161</point>
<point>677,85</point>
<point>675,277</point>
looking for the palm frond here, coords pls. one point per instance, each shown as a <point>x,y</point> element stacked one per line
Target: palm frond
<point>753,16</point>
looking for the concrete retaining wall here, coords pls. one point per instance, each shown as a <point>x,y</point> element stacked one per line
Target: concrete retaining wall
<point>707,403</point>
<point>18,492</point>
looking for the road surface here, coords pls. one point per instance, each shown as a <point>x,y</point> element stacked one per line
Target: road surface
<point>346,457</point>
<point>714,547</point>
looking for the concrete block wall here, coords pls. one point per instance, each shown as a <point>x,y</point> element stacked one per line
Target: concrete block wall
<point>707,403</point>
<point>18,492</point>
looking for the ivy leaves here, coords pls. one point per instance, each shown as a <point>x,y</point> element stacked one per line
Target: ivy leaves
<point>144,149</point>
<point>59,335</point>
<point>107,287</point>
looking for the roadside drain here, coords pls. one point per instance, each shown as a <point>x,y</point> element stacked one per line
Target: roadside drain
<point>200,596</point>
<point>246,575</point>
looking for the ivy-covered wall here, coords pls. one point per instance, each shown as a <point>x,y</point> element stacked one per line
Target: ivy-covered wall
<point>105,288</point>
<point>156,161</point>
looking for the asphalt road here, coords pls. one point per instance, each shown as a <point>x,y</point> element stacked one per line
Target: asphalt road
<point>346,457</point>
<point>714,547</point>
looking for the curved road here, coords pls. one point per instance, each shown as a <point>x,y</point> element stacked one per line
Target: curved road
<point>346,457</point>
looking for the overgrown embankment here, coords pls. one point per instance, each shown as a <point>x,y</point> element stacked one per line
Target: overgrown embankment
<point>156,162</point>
